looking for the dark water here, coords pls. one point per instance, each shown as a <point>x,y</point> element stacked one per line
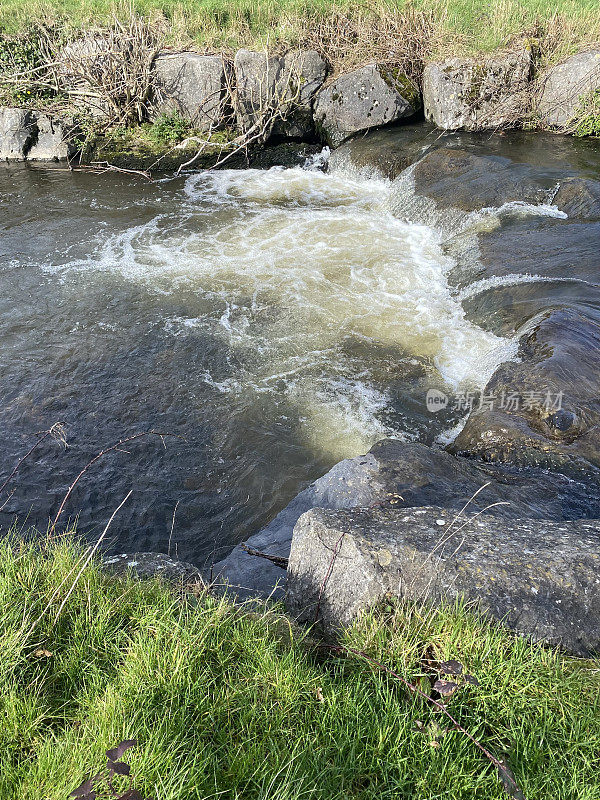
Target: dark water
<point>271,322</point>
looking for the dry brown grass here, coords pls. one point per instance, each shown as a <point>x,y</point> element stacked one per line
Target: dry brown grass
<point>384,36</point>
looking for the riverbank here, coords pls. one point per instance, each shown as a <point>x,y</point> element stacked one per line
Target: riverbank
<point>84,93</point>
<point>458,265</point>
<point>238,702</point>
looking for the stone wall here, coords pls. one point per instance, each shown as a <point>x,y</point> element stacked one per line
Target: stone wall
<point>294,97</point>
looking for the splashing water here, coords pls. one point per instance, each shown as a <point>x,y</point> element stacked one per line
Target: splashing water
<point>291,263</point>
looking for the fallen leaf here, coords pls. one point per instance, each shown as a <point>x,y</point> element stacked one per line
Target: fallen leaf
<point>119,767</point>
<point>434,743</point>
<point>471,679</point>
<point>451,667</point>
<point>116,752</point>
<point>43,654</point>
<point>84,790</point>
<point>508,781</point>
<point>319,693</point>
<point>445,688</point>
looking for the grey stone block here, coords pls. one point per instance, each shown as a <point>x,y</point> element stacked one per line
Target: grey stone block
<point>562,87</point>
<point>17,133</point>
<point>477,94</point>
<point>541,580</point>
<point>365,98</point>
<point>191,84</point>
<point>291,81</point>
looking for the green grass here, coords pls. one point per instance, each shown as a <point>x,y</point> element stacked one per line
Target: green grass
<point>233,704</point>
<point>475,25</point>
<point>586,121</point>
<point>152,146</point>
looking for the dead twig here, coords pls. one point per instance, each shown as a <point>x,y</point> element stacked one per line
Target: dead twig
<point>57,431</point>
<point>117,446</point>
<point>260,108</point>
<point>279,561</point>
<point>504,772</point>
<point>105,166</point>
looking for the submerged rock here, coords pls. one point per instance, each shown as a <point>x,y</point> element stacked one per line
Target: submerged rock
<point>366,98</point>
<point>191,84</point>
<point>387,151</point>
<point>477,94</point>
<point>562,88</point>
<point>152,565</point>
<point>541,580</point>
<point>545,408</point>
<point>579,198</point>
<point>284,154</point>
<point>453,177</point>
<point>511,269</point>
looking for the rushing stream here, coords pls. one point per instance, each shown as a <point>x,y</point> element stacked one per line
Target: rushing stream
<point>273,321</point>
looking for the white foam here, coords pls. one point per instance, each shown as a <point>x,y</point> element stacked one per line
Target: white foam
<point>514,279</point>
<point>319,160</point>
<point>286,263</point>
<point>518,208</point>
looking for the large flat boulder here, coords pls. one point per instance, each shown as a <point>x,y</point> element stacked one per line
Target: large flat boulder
<point>285,85</point>
<point>192,85</point>
<point>542,579</point>
<point>456,178</point>
<point>398,474</point>
<point>368,97</point>
<point>477,94</point>
<point>17,133</point>
<point>517,265</point>
<point>579,198</point>
<point>562,87</point>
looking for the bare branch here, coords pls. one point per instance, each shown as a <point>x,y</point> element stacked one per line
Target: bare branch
<point>56,431</point>
<point>96,458</point>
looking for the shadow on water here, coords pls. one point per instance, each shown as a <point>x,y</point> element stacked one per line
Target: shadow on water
<point>108,377</point>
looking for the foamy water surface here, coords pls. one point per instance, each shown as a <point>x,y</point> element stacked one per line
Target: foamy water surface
<point>288,265</point>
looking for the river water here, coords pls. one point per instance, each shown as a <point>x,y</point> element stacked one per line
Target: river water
<point>272,321</point>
